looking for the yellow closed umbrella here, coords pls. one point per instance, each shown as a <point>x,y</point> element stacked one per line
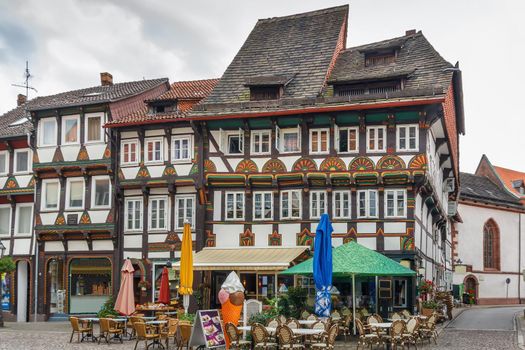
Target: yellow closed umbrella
<point>186,266</point>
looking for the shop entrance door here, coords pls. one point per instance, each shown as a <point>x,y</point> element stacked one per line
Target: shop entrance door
<point>22,272</point>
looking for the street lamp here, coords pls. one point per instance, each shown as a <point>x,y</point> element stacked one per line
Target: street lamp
<point>2,249</point>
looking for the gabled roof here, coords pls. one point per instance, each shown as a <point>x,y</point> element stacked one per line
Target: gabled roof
<point>302,45</point>
<point>481,188</point>
<point>507,176</point>
<point>96,94</point>
<point>15,122</point>
<point>416,60</point>
<point>191,89</point>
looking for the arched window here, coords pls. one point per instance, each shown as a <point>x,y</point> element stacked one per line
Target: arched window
<point>491,246</point>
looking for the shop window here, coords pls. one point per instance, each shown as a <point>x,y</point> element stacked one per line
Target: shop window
<point>395,203</point>
<point>24,219</point>
<point>130,153</point>
<point>319,141</point>
<point>48,132</point>
<point>70,129</point>
<point>347,140</point>
<point>342,204</point>
<point>22,161</point>
<point>55,276</point>
<point>262,205</point>
<point>318,205</point>
<point>50,194</point>
<point>133,214</point>
<point>375,138</point>
<point>90,284</point>
<point>181,148</point>
<point>266,286</point>
<point>75,193</point>
<point>261,142</point>
<point>234,205</point>
<point>94,132</point>
<point>291,204</point>
<point>158,213</point>
<point>154,150</point>
<point>4,162</point>
<point>101,189</point>
<point>400,293</point>
<point>185,209</point>
<point>367,203</point>
<point>407,137</point>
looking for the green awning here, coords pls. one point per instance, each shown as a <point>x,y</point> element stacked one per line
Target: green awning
<point>354,259</point>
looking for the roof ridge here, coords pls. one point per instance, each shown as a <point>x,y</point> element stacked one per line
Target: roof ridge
<point>194,81</point>
<point>306,14</point>
<point>419,33</point>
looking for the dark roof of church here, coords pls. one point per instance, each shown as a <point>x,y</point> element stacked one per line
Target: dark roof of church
<point>481,188</point>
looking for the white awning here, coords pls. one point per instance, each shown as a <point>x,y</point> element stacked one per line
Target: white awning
<point>245,258</point>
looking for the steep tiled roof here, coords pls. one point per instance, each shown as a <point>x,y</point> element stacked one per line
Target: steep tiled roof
<point>507,176</point>
<point>481,188</point>
<point>416,60</point>
<point>301,45</point>
<point>96,94</point>
<point>192,89</point>
<point>15,122</point>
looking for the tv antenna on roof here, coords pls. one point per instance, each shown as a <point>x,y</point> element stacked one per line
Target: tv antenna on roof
<point>25,85</point>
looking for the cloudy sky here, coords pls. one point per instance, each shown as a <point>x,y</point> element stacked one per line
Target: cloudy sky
<point>68,42</point>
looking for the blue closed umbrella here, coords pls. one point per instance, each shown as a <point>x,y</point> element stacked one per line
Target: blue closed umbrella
<point>322,266</point>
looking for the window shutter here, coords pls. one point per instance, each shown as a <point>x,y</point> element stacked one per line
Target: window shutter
<point>278,138</point>
<point>221,146</point>
<point>336,137</point>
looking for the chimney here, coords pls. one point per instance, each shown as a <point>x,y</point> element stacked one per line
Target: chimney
<point>21,99</point>
<point>410,32</point>
<point>106,79</point>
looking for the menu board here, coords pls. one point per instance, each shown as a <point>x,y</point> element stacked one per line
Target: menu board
<point>207,330</point>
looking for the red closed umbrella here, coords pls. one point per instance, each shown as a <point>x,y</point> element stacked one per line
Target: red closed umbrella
<point>164,292</point>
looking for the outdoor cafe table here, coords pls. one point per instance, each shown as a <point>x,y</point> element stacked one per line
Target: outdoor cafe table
<point>156,324</point>
<point>307,322</point>
<point>381,324</point>
<point>90,336</point>
<point>296,331</point>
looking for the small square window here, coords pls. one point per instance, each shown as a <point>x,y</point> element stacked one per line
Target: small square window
<point>4,162</point>
<point>407,138</point>
<point>101,192</point>
<point>48,132</point>
<point>367,204</point>
<point>94,132</point>
<point>319,141</point>
<point>185,210</point>
<point>342,204</point>
<point>24,219</point>
<point>181,148</point>
<point>130,152</point>
<point>21,161</point>
<point>291,202</point>
<point>70,130</point>
<point>133,207</point>
<point>154,150</point>
<point>318,203</point>
<point>261,142</point>
<point>348,140</point>
<point>50,194</point>
<point>262,205</point>
<point>376,138</point>
<point>158,213</point>
<point>75,193</point>
<point>234,205</point>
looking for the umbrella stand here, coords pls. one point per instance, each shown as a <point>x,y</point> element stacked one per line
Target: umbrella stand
<point>186,302</point>
<point>353,298</point>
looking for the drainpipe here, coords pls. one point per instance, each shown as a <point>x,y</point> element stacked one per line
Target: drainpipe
<point>519,258</point>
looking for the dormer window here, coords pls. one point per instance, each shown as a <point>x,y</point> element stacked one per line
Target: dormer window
<point>160,109</point>
<point>380,58</point>
<point>372,88</point>
<point>262,93</point>
<point>268,87</point>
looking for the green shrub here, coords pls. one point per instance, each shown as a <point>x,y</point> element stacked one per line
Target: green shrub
<point>108,309</point>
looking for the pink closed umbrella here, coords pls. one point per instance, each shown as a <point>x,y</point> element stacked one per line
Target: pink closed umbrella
<point>164,292</point>
<point>125,303</point>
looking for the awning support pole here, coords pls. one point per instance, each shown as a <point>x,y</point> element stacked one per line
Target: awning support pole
<point>353,298</point>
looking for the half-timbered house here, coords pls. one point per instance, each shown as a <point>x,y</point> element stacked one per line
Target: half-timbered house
<point>300,125</point>
<point>159,180</point>
<point>74,161</point>
<point>16,211</point>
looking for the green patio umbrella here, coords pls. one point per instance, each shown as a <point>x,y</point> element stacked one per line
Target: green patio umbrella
<point>352,259</point>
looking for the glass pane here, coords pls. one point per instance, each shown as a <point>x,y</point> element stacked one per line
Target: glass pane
<point>373,199</point>
<point>150,151</point>
<point>234,144</point>
<point>267,206</point>
<point>343,141</point>
<point>296,204</point>
<point>239,205</point>
<point>176,149</point>
<point>315,141</point>
<point>284,204</point>
<point>49,132</point>
<point>291,142</point>
<point>314,204</point>
<point>258,206</point>
<point>154,214</point>
<point>400,203</point>
<point>229,206</point>
<point>76,189</point>
<point>71,128</point>
<point>412,137</point>
<point>362,203</point>
<point>130,215</point>
<point>22,160</point>
<point>51,195</point>
<point>138,214</point>
<point>25,219</point>
<point>162,214</point>
<point>157,150</point>
<point>390,204</point>
<point>352,140</point>
<point>102,192</point>
<point>133,153</point>
<point>322,202</point>
<point>5,214</point>
<point>3,163</point>
<point>94,129</point>
<point>189,210</point>
<point>324,141</point>
<point>371,139</point>
<point>185,149</point>
<point>265,147</point>
<point>379,139</point>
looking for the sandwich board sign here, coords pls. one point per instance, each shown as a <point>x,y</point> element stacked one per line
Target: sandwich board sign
<point>207,330</point>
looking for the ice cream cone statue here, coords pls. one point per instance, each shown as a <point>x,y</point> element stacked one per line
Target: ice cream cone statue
<point>231,297</point>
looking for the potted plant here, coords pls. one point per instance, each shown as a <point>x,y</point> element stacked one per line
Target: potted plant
<point>428,307</point>
<point>426,289</point>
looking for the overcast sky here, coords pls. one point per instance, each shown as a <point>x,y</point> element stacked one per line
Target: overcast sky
<point>68,43</point>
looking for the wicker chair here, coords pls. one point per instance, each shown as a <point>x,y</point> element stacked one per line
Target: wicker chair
<point>375,318</point>
<point>261,338</point>
<point>169,331</point>
<point>143,335</point>
<point>184,335</point>
<point>344,327</point>
<point>273,323</point>
<point>79,328</point>
<point>234,335</point>
<point>396,316</point>
<point>286,338</point>
<point>411,334</point>
<point>396,334</point>
<point>282,319</point>
<point>328,339</point>
<point>293,323</point>
<point>109,329</point>
<point>335,315</point>
<point>427,331</point>
<point>406,313</point>
<point>304,315</point>
<point>312,317</point>
<point>366,339</point>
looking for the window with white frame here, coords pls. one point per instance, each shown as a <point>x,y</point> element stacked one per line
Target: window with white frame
<point>407,137</point>
<point>154,151</point>
<point>260,140</point>
<point>4,162</point>
<point>94,131</point>
<point>181,147</point>
<point>50,194</point>
<point>291,204</point>
<point>288,140</point>
<point>376,138</point>
<point>5,219</point>
<point>129,152</point>
<point>70,129</point>
<point>185,210</point>
<point>100,192</point>
<point>24,219</point>
<point>234,205</point>
<point>341,204</point>
<point>47,132</point>
<point>319,141</point>
<point>158,213</point>
<point>231,141</point>
<point>395,203</point>
<point>318,203</point>
<point>75,193</point>
<point>347,140</point>
<point>22,160</point>
<point>262,205</point>
<point>133,214</point>
<point>367,203</point>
